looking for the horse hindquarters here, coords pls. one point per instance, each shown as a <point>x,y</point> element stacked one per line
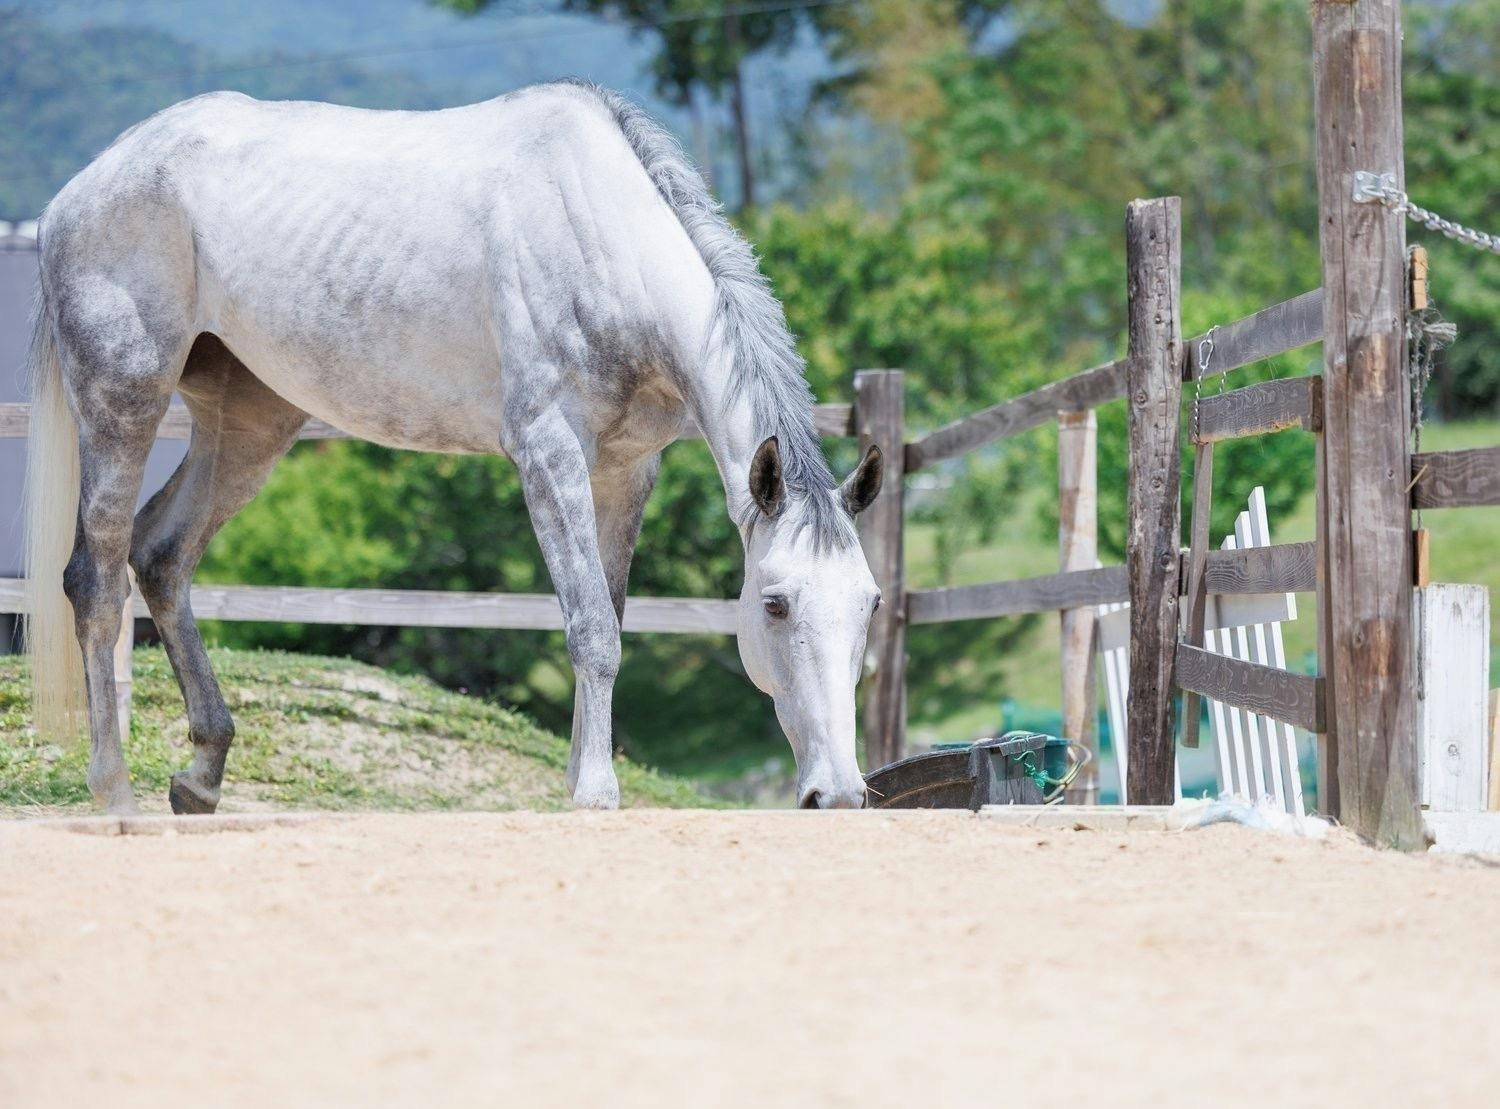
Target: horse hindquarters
<point>118,353</point>
<point>240,430</point>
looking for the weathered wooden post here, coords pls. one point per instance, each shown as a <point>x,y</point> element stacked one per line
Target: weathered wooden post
<point>123,662</point>
<point>879,418</point>
<point>1078,549</point>
<point>1367,605</point>
<point>1153,250</point>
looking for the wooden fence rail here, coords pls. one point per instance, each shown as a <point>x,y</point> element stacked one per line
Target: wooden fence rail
<point>1052,592</point>
<point>420,608</point>
<point>1259,410</point>
<point>832,421</point>
<point>1279,329</point>
<point>1278,694</point>
<point>1282,568</point>
<point>1456,479</point>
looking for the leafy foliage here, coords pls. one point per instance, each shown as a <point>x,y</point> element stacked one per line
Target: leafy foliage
<point>1452,102</point>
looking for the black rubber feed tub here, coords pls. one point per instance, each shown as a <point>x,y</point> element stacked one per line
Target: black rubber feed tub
<point>991,772</point>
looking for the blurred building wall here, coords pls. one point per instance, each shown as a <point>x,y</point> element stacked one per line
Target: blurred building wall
<point>18,281</point>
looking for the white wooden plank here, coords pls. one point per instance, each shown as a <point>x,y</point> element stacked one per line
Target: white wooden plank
<point>1242,739</point>
<point>1219,722</point>
<point>1227,610</point>
<point>1113,627</point>
<point>1250,650</point>
<point>1257,756</point>
<point>1466,832</point>
<point>1119,668</point>
<point>1115,685</point>
<point>1453,624</point>
<point>1494,730</point>
<point>124,668</point>
<point>1260,535</point>
<point>423,608</point>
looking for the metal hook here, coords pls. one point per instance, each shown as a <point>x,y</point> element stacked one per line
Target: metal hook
<point>1206,350</point>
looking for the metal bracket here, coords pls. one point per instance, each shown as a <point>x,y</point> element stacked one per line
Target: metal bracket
<point>1372,188</point>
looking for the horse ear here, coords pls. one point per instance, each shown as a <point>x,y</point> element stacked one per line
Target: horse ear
<point>766,484</point>
<point>863,485</point>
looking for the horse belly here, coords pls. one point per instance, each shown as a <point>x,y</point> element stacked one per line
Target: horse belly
<point>384,338</point>
<point>439,402</point>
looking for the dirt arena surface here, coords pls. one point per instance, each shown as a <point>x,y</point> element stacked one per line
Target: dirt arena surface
<point>739,958</point>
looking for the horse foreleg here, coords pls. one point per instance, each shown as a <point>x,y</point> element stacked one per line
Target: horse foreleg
<point>555,480</point>
<point>619,503</point>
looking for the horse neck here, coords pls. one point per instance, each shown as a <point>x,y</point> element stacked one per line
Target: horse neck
<point>728,422</point>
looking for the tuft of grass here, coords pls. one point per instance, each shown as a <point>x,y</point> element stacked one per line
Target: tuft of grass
<point>316,733</point>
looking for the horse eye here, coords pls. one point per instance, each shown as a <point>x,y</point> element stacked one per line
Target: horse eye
<point>775,606</point>
<point>876,607</point>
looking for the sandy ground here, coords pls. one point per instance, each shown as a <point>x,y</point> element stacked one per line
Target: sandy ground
<point>742,958</point>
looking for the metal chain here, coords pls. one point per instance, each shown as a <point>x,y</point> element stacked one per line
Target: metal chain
<point>1205,355</point>
<point>1381,188</point>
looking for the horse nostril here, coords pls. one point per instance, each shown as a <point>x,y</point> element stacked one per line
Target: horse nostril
<point>812,799</point>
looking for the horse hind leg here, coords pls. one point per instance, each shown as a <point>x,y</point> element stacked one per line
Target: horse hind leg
<point>120,387</point>
<point>240,430</point>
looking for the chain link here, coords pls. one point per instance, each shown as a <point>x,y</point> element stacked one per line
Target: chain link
<point>1381,188</point>
<point>1205,355</point>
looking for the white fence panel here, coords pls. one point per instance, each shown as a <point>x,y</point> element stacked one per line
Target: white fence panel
<point>1257,757</point>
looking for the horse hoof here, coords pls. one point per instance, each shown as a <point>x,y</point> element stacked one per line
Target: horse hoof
<point>114,796</point>
<point>124,807</point>
<point>187,800</point>
<point>604,795</point>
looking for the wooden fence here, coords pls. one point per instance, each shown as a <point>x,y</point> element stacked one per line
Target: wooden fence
<point>1361,564</point>
<point>409,607</point>
<point>1151,579</point>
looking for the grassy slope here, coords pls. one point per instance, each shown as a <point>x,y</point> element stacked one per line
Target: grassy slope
<point>316,733</point>
<point>1464,544</point>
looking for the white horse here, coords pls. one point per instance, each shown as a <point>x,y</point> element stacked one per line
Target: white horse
<point>543,275</point>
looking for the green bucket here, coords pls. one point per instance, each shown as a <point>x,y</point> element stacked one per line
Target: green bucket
<point>1055,762</point>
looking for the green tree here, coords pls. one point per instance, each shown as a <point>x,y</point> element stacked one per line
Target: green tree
<point>1452,107</point>
<point>701,46</point>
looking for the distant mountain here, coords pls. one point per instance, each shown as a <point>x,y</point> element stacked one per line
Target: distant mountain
<point>64,96</point>
<point>467,58</point>
<point>75,75</point>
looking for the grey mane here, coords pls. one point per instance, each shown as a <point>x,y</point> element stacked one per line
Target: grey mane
<point>748,316</point>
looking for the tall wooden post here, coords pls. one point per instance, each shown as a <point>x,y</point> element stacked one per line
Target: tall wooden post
<point>879,416</point>
<point>1153,250</point>
<point>124,665</point>
<point>1078,549</point>
<point>1366,453</point>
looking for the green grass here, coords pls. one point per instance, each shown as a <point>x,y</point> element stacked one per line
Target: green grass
<point>1464,549</point>
<point>316,733</point>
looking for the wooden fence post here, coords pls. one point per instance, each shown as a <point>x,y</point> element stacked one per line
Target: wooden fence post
<point>124,664</point>
<point>879,418</point>
<point>1078,549</point>
<point>1371,713</point>
<point>1153,252</point>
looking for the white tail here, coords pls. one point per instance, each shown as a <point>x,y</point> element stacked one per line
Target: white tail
<point>51,519</point>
